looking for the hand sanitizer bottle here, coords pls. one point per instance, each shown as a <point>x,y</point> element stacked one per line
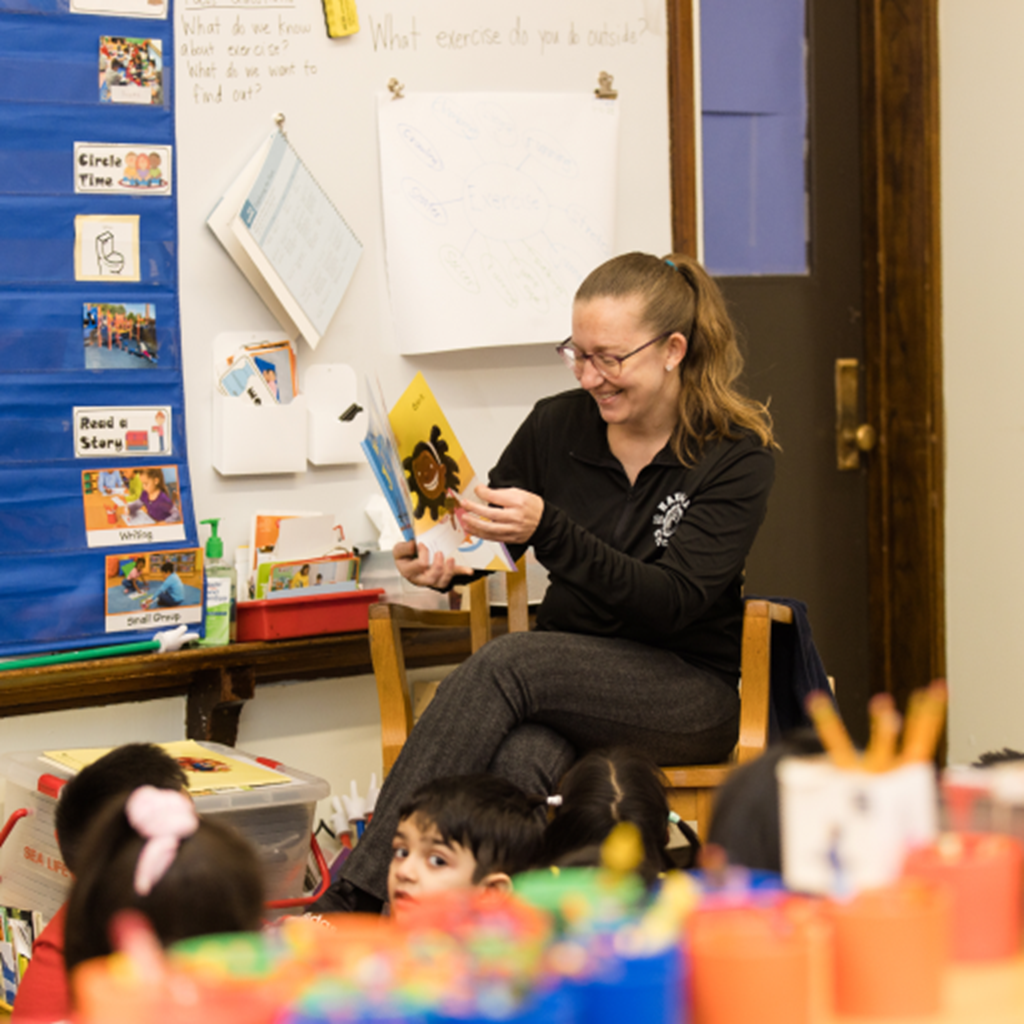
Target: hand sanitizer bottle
<point>220,592</point>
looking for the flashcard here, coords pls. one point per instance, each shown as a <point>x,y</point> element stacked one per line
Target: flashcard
<point>243,379</point>
<point>102,432</point>
<point>132,505</point>
<point>153,589</point>
<point>116,169</point>
<point>131,71</point>
<point>120,335</point>
<point>107,247</point>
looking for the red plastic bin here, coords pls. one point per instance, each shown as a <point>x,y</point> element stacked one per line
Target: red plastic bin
<point>285,617</point>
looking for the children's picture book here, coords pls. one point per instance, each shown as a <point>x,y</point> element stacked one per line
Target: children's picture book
<point>287,237</point>
<point>381,450</point>
<point>433,473</point>
<point>206,770</point>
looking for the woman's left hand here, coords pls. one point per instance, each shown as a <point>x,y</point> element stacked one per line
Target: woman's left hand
<point>509,515</point>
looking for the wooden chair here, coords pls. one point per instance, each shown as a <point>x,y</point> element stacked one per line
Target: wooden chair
<point>690,788</point>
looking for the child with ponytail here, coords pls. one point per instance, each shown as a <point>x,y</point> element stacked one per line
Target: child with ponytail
<point>152,853</point>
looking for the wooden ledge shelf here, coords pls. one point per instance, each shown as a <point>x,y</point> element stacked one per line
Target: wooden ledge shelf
<point>217,681</point>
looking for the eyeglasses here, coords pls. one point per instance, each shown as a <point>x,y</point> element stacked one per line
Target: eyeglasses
<point>609,366</point>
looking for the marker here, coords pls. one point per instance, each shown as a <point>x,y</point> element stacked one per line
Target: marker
<point>831,731</point>
<point>926,715</point>
<point>880,755</point>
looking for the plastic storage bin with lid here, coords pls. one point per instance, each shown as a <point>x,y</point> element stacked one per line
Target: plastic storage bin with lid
<point>276,819</point>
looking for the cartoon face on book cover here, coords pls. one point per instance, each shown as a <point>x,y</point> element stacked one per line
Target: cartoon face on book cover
<point>438,473</point>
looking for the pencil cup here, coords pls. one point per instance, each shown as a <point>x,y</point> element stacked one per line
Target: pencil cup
<point>891,947</point>
<point>844,830</point>
<point>752,963</point>
<point>982,872</point>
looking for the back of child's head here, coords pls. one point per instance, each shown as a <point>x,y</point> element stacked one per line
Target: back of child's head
<point>745,824</point>
<point>603,788</point>
<point>117,772</point>
<point>485,814</point>
<point>149,851</point>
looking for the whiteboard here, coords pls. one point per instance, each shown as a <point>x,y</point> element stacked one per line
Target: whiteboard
<point>241,63</point>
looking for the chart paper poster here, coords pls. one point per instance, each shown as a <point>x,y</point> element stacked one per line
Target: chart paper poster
<point>496,206</point>
<point>101,431</point>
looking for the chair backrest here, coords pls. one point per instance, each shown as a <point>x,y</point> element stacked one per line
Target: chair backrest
<point>755,675</point>
<point>480,606</point>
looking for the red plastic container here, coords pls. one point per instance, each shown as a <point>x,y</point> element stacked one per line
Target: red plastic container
<point>285,617</point>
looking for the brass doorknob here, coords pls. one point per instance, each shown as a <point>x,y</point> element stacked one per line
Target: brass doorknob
<point>866,437</point>
<point>852,437</point>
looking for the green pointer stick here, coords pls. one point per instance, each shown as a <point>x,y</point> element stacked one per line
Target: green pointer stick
<point>169,640</point>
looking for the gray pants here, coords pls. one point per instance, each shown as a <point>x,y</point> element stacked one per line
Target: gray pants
<point>527,704</point>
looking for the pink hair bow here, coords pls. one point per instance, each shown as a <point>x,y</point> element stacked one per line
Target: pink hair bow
<point>163,817</point>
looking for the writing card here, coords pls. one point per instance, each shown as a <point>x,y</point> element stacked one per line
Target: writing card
<point>132,505</point>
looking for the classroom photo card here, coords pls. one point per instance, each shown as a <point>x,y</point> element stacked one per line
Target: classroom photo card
<point>102,431</point>
<point>132,505</point>
<point>107,247</point>
<point>333,574</point>
<point>153,589</point>
<point>131,71</point>
<point>120,335</point>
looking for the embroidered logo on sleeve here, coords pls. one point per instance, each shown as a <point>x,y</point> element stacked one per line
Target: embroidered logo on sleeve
<point>669,515</point>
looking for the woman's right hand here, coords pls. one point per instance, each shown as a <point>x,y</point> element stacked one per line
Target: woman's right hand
<point>415,564</point>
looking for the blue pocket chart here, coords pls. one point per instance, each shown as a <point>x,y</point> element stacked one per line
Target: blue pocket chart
<point>92,421</point>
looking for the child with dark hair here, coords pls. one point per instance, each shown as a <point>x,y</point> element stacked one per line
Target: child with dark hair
<point>745,830</point>
<point>463,831</point>
<point>152,853</point>
<point>43,991</point>
<point>603,788</point>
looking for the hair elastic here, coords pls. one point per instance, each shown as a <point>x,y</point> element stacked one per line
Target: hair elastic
<point>163,817</point>
<point>555,801</point>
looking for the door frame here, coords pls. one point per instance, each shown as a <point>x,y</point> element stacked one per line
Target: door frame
<point>902,318</point>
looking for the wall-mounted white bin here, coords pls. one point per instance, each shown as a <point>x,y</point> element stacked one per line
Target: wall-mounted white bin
<point>330,389</point>
<point>249,438</point>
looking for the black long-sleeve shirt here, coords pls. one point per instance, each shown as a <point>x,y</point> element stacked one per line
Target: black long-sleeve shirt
<point>659,561</point>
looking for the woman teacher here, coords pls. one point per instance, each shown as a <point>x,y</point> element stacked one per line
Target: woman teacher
<point>641,493</point>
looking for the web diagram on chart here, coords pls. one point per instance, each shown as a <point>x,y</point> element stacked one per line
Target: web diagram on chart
<point>496,206</point>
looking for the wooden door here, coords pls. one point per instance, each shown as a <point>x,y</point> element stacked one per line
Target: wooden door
<point>862,548</point>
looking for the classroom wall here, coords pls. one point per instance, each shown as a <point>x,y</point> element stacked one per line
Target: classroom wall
<point>330,727</point>
<point>982,152</point>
